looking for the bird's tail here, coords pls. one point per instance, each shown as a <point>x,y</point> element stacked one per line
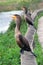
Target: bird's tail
<point>34,54</point>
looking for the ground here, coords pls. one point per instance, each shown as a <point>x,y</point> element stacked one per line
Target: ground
<point>40,31</point>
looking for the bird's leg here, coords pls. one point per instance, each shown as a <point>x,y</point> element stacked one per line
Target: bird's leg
<point>21,51</point>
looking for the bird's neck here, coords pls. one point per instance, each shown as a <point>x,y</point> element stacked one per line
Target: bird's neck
<point>17,29</point>
<point>18,26</point>
<point>26,11</point>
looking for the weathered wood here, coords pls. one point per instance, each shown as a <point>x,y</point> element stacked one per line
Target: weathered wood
<point>40,31</point>
<point>35,13</point>
<point>30,35</point>
<point>28,59</point>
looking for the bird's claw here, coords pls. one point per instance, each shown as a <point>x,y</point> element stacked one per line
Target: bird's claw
<point>22,51</point>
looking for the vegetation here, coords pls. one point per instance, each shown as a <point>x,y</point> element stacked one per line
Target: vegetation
<point>6,5</point>
<point>9,50</point>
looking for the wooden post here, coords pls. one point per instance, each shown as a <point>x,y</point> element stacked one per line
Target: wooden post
<point>28,58</point>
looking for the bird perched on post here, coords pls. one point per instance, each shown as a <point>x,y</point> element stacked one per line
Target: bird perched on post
<point>27,16</point>
<point>26,11</point>
<point>20,39</point>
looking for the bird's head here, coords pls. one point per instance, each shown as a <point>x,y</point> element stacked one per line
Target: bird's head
<point>25,9</point>
<point>17,19</point>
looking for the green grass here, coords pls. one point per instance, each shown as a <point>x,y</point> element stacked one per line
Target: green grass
<point>13,1</point>
<point>15,5</point>
<point>38,51</point>
<point>9,50</point>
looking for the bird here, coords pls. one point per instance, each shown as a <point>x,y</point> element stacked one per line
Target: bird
<point>25,9</point>
<point>20,39</point>
<point>27,17</point>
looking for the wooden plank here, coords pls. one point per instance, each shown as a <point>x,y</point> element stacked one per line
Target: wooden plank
<point>28,59</point>
<point>35,13</point>
<point>30,35</point>
<point>40,31</point>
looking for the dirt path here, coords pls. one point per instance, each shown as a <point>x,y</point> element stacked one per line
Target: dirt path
<point>40,31</point>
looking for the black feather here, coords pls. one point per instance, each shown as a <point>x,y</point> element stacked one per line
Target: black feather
<point>26,48</point>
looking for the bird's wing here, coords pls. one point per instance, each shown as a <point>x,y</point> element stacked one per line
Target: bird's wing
<point>29,19</point>
<point>24,41</point>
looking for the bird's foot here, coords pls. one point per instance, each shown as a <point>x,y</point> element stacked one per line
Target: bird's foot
<point>22,51</point>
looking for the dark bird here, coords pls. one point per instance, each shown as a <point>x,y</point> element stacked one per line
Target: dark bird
<point>20,39</point>
<point>27,16</point>
<point>26,11</point>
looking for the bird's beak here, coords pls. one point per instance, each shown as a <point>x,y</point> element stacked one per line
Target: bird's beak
<point>14,17</point>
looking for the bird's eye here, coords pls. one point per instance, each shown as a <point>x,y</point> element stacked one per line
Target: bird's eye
<point>14,17</point>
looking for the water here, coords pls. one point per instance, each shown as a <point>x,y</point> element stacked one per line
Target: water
<point>6,18</point>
